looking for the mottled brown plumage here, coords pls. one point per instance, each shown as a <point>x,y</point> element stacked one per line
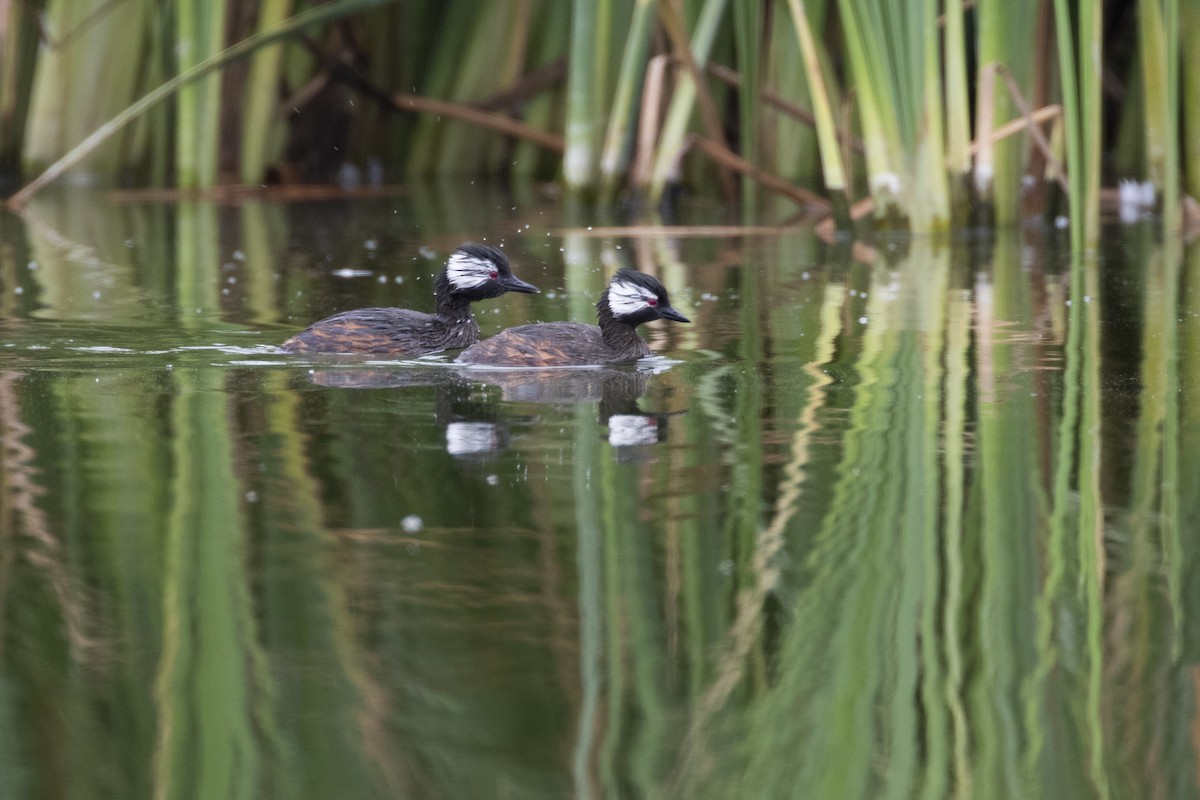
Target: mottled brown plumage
<point>474,272</point>
<point>638,297</point>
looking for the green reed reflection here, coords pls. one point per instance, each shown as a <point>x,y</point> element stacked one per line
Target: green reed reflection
<point>915,525</point>
<point>209,703</point>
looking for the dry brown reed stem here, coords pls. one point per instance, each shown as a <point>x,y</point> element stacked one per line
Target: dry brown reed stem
<point>675,232</point>
<point>987,135</point>
<point>487,119</point>
<point>526,87</point>
<point>724,157</point>
<point>1015,126</point>
<point>650,119</point>
<point>1035,130</point>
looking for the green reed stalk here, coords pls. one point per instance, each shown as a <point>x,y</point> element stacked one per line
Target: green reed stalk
<point>1173,166</point>
<point>931,209</point>
<point>18,60</point>
<point>579,160</point>
<point>748,33</point>
<point>1091,40</point>
<point>1189,106</point>
<point>957,102</point>
<point>1081,111</point>
<point>201,31</point>
<point>1158,44</point>
<point>614,158</point>
<point>261,100</point>
<point>830,150</point>
<point>1153,53</point>
<point>683,102</point>
<point>885,100</point>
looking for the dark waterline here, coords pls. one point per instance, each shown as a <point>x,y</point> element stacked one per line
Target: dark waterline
<point>917,521</point>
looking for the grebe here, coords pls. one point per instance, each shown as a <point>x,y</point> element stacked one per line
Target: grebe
<point>631,299</point>
<point>473,272</point>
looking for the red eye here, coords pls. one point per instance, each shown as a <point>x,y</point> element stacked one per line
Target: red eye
<point>652,302</point>
<point>493,274</point>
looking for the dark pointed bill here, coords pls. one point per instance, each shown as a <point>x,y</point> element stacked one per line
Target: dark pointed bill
<point>669,313</point>
<point>515,284</point>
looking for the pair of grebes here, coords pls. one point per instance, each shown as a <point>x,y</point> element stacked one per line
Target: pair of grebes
<point>479,272</point>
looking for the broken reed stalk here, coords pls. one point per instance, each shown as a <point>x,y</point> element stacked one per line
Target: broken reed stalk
<point>731,161</point>
<point>487,119</point>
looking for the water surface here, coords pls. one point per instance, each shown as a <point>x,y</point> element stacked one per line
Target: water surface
<point>910,520</point>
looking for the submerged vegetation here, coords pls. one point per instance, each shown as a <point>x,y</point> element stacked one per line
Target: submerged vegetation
<point>918,114</point>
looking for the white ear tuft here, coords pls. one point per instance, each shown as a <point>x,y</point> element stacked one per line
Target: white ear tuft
<point>467,272</point>
<point>626,298</point>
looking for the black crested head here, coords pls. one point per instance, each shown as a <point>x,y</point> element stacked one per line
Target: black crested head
<point>477,272</point>
<point>634,297</point>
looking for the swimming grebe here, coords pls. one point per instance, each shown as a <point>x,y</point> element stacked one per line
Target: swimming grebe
<point>631,299</point>
<point>473,272</point>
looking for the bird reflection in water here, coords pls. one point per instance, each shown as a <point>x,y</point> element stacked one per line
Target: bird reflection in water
<point>477,427</point>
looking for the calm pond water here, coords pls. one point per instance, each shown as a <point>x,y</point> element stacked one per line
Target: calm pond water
<point>912,521</point>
